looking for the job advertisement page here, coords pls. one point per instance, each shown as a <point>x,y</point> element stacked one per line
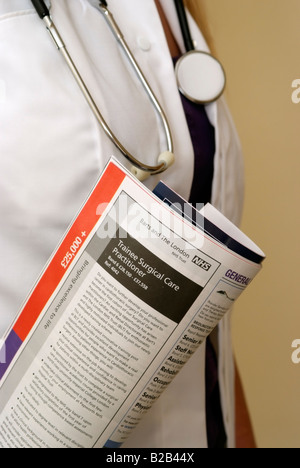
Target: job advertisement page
<point>137,293</point>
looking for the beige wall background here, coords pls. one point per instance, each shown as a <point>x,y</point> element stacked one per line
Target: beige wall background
<point>258,42</point>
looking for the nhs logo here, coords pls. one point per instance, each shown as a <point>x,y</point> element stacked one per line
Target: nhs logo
<point>201,263</point>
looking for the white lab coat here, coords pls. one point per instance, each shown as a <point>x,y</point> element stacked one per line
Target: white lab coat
<point>52,151</point>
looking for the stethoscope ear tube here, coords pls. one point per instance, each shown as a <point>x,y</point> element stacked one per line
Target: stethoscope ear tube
<point>41,8</point>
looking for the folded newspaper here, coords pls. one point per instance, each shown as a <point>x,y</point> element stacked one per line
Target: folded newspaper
<point>136,285</point>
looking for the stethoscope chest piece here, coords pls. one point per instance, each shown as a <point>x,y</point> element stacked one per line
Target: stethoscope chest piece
<point>200,77</point>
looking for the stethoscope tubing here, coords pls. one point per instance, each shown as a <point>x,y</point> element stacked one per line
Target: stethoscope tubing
<point>44,14</point>
<point>145,83</point>
<point>183,71</point>
<point>184,26</point>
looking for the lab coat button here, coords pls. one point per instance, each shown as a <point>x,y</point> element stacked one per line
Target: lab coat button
<point>144,43</point>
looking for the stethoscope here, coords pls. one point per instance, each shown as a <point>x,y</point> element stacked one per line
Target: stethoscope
<point>200,78</point>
